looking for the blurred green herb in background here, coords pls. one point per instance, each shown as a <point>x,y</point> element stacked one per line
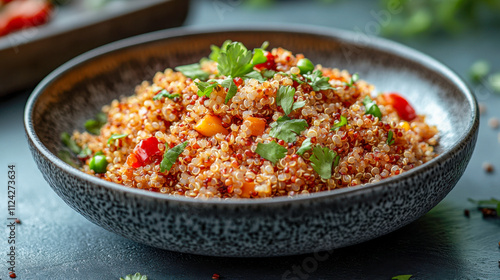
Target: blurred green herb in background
<point>437,16</point>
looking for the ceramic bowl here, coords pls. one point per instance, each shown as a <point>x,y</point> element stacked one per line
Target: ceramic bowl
<point>78,89</point>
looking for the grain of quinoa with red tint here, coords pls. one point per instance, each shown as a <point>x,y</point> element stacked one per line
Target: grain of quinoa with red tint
<point>284,131</point>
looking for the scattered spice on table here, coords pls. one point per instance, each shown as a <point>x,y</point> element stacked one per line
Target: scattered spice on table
<point>467,213</point>
<point>18,221</point>
<point>216,276</point>
<point>482,108</point>
<point>489,208</point>
<point>488,167</point>
<point>494,123</point>
<point>12,275</point>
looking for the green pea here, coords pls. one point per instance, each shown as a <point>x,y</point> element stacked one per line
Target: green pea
<point>305,65</point>
<point>98,163</point>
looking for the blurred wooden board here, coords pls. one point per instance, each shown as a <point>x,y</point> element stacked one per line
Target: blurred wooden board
<point>29,55</point>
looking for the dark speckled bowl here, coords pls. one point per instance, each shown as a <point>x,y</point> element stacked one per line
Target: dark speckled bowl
<point>262,227</point>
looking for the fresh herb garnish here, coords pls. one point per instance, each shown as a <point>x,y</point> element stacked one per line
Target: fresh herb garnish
<point>255,75</point>
<point>165,93</point>
<point>116,137</point>
<point>206,88</point>
<point>67,158</point>
<point>287,129</point>
<point>84,153</point>
<point>271,151</point>
<point>402,277</point>
<point>193,71</point>
<point>306,146</point>
<point>94,125</point>
<point>317,81</point>
<point>479,70</point>
<point>341,123</point>
<point>284,98</point>
<point>494,81</point>
<point>354,79</point>
<point>216,50</point>
<point>298,104</point>
<point>236,60</point>
<point>136,276</point>
<point>231,88</point>
<point>268,74</point>
<point>390,139</point>
<point>371,107</point>
<point>70,143</point>
<point>492,203</point>
<point>170,156</point>
<point>322,160</point>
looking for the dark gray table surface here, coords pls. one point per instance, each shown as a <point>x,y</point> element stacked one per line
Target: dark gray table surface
<point>54,242</point>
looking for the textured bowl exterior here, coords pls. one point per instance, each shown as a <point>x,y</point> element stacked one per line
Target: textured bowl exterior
<point>251,228</point>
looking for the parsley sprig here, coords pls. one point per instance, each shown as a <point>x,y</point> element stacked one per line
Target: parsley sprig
<point>354,79</point>
<point>323,160</point>
<point>287,129</point>
<point>271,151</point>
<point>136,276</point>
<point>341,123</point>
<point>116,137</point>
<point>165,93</point>
<point>390,138</point>
<point>170,156</point>
<point>193,71</point>
<point>306,146</point>
<point>94,125</point>
<point>371,107</point>
<point>317,81</point>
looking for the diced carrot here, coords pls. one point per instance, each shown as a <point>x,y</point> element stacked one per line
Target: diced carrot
<point>133,161</point>
<point>210,125</point>
<point>257,127</point>
<point>247,188</point>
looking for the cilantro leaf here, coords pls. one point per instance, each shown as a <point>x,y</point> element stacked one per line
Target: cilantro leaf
<point>322,161</point>
<point>271,151</point>
<point>341,123</point>
<point>206,88</point>
<point>264,45</point>
<point>193,71</point>
<point>85,152</point>
<point>231,88</point>
<point>170,156</point>
<point>284,98</point>
<point>136,276</point>
<point>70,143</point>
<point>268,73</point>
<point>354,79</point>
<point>371,107</point>
<point>67,158</point>
<point>235,61</point>
<point>317,81</point>
<point>298,104</point>
<point>94,125</point>
<point>165,93</point>
<point>306,146</point>
<point>255,75</point>
<point>116,137</point>
<point>390,139</point>
<point>258,57</point>
<point>287,129</point>
<point>402,277</point>
<point>216,50</point>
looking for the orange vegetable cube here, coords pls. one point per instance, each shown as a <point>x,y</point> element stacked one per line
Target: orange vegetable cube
<point>247,189</point>
<point>210,125</point>
<point>257,127</point>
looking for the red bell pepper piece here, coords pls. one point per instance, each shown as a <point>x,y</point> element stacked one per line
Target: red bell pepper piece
<point>401,105</point>
<point>19,14</point>
<point>145,152</point>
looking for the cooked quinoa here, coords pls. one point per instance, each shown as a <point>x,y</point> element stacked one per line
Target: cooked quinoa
<point>365,149</point>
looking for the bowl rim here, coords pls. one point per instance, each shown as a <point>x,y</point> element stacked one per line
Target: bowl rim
<point>374,42</point>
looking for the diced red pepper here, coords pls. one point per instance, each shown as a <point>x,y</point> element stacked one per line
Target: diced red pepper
<point>270,64</point>
<point>145,152</point>
<point>401,105</point>
<point>238,81</point>
<point>21,14</point>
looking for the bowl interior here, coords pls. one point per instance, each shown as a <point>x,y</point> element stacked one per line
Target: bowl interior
<point>78,90</point>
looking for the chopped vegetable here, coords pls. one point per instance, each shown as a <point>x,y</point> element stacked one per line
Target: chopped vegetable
<point>84,153</point>
<point>492,203</point>
<point>216,50</point>
<point>269,64</point>
<point>341,123</point>
<point>67,158</point>
<point>354,79</point>
<point>317,81</point>
<point>401,105</point>
<point>18,15</point>
<point>70,143</point>
<point>390,139</point>
<point>257,127</point>
<point>287,129</point>
<point>136,276</point>
<point>116,137</point>
<point>284,98</point>
<point>164,93</point>
<point>170,156</point>
<point>98,163</point>
<point>322,161</point>
<point>145,152</point>
<point>236,60</point>
<point>210,125</point>
<point>247,189</point>
<point>271,151</point>
<point>402,277</point>
<point>371,107</point>
<point>255,75</point>
<point>479,70</point>
<point>306,146</point>
<point>94,125</point>
<point>231,88</point>
<point>206,88</point>
<point>305,65</point>
<point>298,104</point>
<point>193,71</point>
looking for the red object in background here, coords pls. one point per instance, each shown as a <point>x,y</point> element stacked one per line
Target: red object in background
<point>145,152</point>
<point>19,14</point>
<point>270,64</point>
<point>401,105</point>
